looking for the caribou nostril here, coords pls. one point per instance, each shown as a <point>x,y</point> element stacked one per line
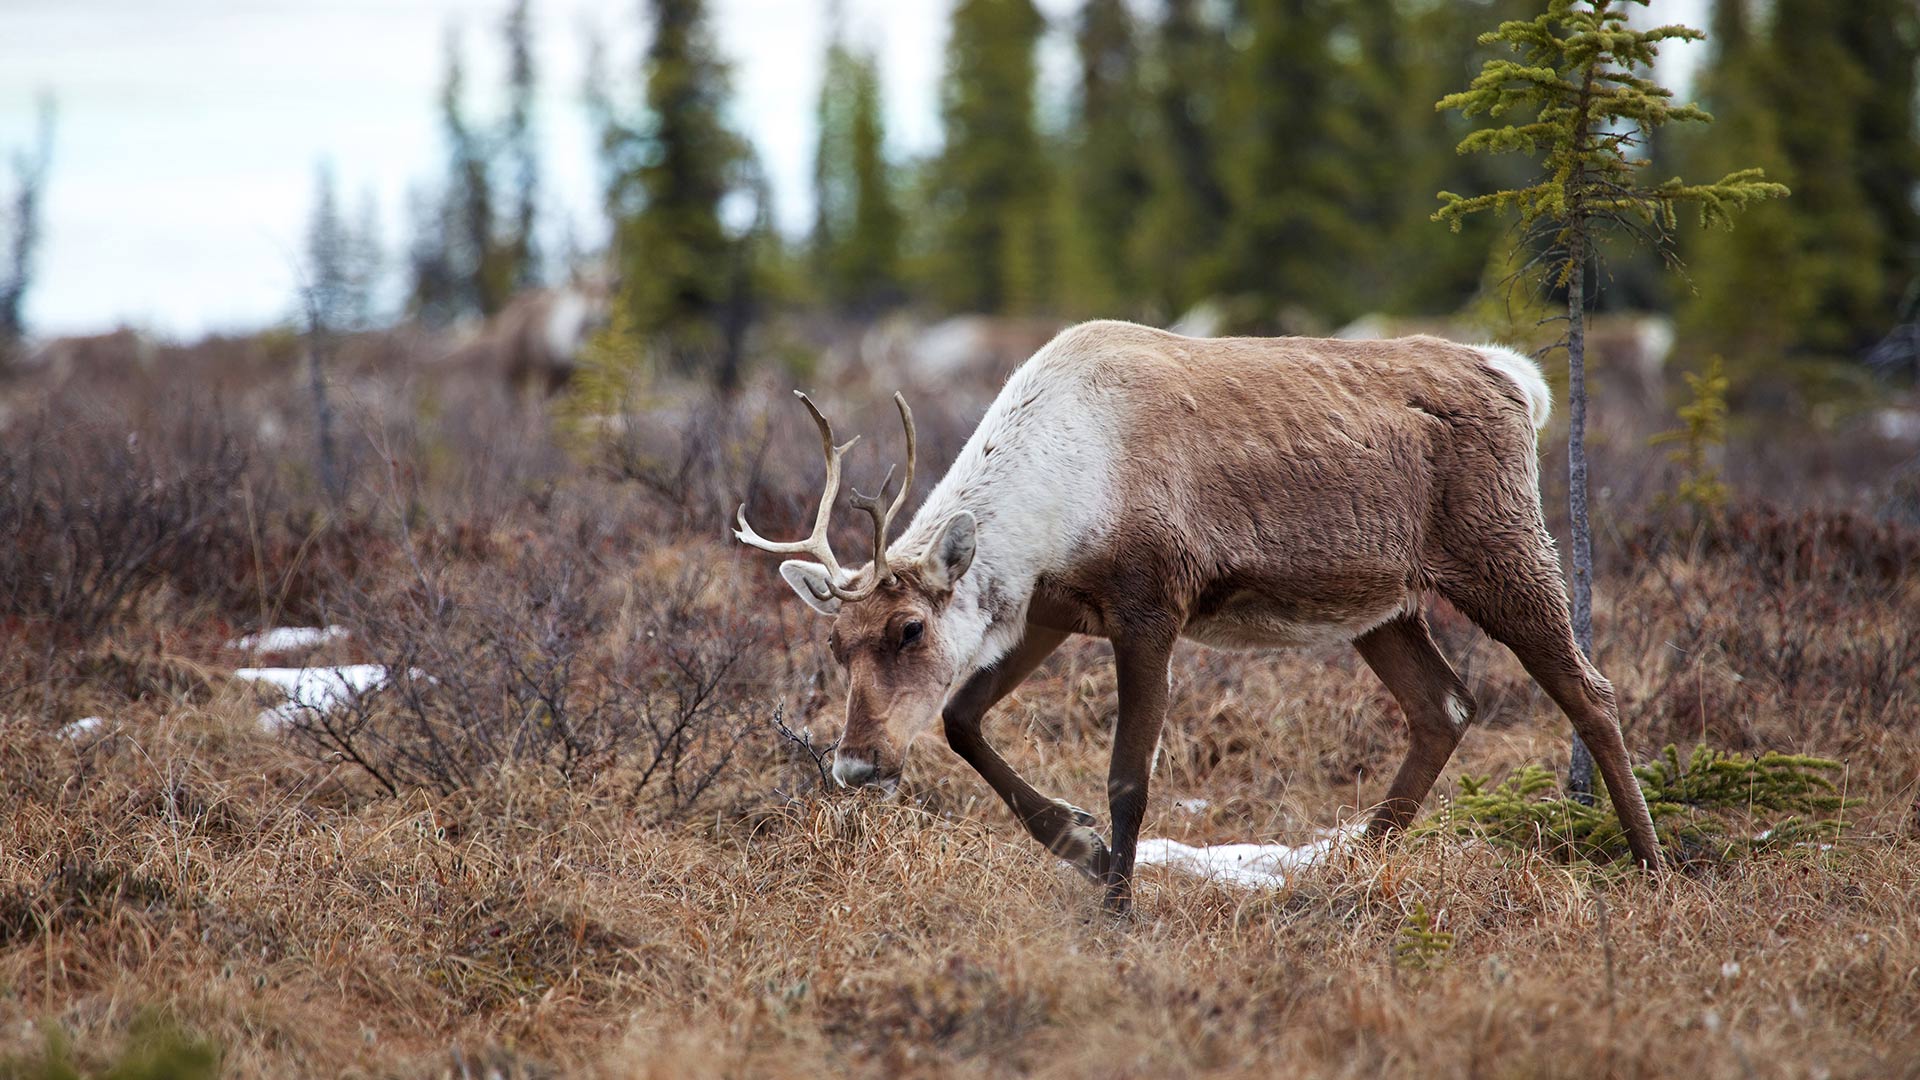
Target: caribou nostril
<point>851,771</point>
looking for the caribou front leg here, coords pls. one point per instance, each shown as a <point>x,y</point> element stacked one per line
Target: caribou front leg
<point>1065,829</point>
<point>1141,664</point>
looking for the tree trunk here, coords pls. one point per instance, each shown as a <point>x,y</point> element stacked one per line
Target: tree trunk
<point>318,345</point>
<point>735,318</point>
<point>1580,772</point>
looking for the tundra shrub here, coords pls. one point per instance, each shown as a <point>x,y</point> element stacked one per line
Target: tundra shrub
<point>1711,807</point>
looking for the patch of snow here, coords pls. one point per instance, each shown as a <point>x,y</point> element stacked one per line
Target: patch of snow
<point>1767,834</point>
<point>1192,806</point>
<point>1255,866</point>
<point>82,727</point>
<point>288,638</point>
<point>320,689</point>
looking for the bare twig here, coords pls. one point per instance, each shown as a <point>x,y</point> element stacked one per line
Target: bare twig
<point>804,741</point>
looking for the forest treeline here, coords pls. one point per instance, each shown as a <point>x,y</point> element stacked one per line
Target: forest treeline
<point>1277,159</point>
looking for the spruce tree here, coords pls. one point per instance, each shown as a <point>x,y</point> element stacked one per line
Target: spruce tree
<point>469,198</point>
<point>1883,37</point>
<point>342,263</point>
<point>469,255</point>
<point>1378,142</point>
<point>1828,278</point>
<point>433,284</point>
<point>869,267</point>
<point>328,301</point>
<point>442,287</point>
<point>1839,236</point>
<point>1749,299</point>
<point>20,233</point>
<point>1185,219</point>
<point>1107,183</point>
<point>521,252</point>
<point>1391,61</point>
<point>989,183</point>
<point>1585,115</point>
<point>1287,160</point>
<point>1419,61</point>
<point>667,175</point>
<point>857,225</point>
<point>833,135</point>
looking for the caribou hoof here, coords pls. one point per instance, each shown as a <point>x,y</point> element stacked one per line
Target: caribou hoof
<point>1085,849</point>
<point>1080,817</point>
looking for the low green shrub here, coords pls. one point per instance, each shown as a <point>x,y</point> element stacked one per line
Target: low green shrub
<point>155,1050</point>
<point>1710,807</point>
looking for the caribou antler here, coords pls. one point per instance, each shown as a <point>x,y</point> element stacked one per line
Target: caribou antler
<point>871,503</point>
<point>816,543</point>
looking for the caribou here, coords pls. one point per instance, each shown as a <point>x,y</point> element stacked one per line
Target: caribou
<point>532,347</point>
<point>1243,493</point>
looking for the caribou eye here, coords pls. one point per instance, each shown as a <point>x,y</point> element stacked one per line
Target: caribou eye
<point>910,633</point>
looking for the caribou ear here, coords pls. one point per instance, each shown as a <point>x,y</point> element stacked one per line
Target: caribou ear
<point>951,553</point>
<point>809,579</point>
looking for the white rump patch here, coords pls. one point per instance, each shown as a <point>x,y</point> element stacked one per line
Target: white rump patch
<point>1526,375</point>
<point>1253,866</point>
<point>567,325</point>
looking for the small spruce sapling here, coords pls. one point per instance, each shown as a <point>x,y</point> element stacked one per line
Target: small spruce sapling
<point>1418,946</point>
<point>1703,428</point>
<point>1591,115</point>
<point>1711,805</point>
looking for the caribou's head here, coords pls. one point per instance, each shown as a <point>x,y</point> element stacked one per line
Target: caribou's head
<point>895,627</point>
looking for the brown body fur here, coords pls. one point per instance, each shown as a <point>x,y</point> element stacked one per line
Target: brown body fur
<point>1282,491</point>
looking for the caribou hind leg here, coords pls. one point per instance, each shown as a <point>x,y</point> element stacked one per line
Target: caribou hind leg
<point>1517,598</point>
<point>1437,706</point>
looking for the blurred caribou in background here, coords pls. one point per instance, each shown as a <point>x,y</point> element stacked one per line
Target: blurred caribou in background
<point>533,346</point>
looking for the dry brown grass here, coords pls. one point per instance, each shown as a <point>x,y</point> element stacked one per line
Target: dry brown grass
<point>544,920</point>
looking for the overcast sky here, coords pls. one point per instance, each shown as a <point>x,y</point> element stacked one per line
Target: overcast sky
<point>189,131</point>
